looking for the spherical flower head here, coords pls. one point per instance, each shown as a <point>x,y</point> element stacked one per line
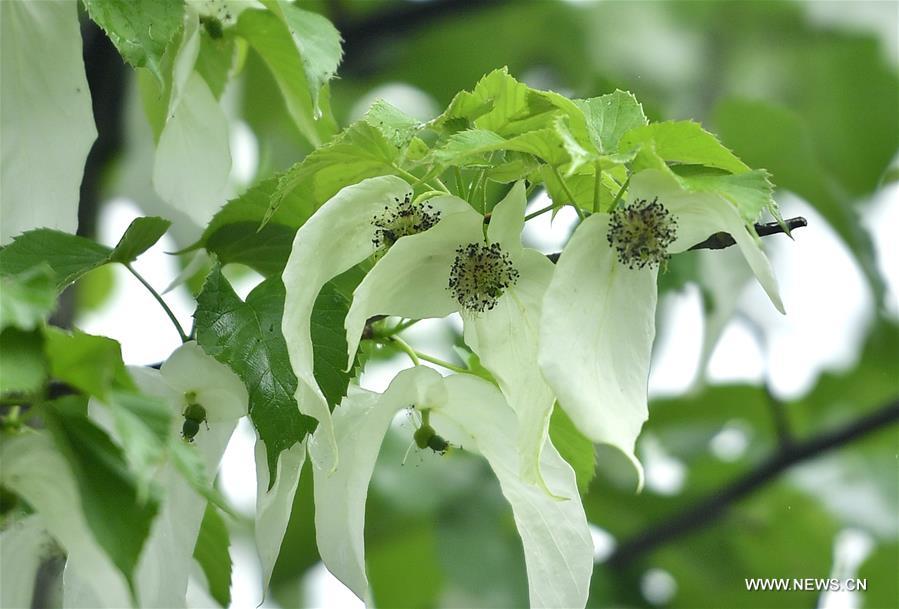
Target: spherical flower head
<point>480,275</point>
<point>402,219</point>
<point>641,233</point>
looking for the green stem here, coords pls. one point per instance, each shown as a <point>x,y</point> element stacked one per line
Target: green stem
<point>403,325</point>
<point>460,182</point>
<point>539,212</point>
<point>165,307</point>
<point>442,363</point>
<point>568,193</point>
<point>414,180</point>
<point>597,182</point>
<point>442,185</point>
<point>620,193</point>
<point>406,348</point>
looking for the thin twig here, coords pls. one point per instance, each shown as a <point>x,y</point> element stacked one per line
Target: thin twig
<point>165,307</point>
<point>713,506</point>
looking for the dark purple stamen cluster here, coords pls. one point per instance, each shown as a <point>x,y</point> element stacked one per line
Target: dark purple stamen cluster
<point>402,219</point>
<point>641,233</point>
<point>479,276</point>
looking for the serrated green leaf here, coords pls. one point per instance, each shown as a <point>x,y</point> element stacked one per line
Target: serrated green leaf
<point>211,552</point>
<point>317,41</point>
<point>750,192</point>
<point>92,364</point>
<point>140,236</point>
<point>271,37</point>
<point>611,116</point>
<point>682,142</point>
<point>23,367</point>
<point>142,423</point>
<point>109,493</point>
<point>140,29</point>
<point>574,447</point>
<point>247,337</point>
<point>71,256</point>
<point>397,127</point>
<point>27,299</point>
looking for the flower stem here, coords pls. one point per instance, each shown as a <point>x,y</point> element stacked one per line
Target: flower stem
<point>406,348</point>
<point>165,307</point>
<point>597,182</point>
<point>441,363</point>
<point>539,212</point>
<point>571,200</point>
<point>620,193</point>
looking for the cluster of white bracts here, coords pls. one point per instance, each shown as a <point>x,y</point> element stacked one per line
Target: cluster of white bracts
<point>579,332</point>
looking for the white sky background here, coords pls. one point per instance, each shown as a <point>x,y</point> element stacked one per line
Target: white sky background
<point>829,310</point>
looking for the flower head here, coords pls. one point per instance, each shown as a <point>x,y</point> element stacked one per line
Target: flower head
<point>479,276</point>
<point>641,232</point>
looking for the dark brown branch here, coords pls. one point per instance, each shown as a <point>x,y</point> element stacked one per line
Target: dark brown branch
<point>719,241</point>
<point>708,509</point>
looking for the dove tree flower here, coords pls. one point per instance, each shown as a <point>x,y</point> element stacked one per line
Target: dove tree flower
<point>598,319</point>
<point>471,411</point>
<point>359,221</point>
<point>497,286</point>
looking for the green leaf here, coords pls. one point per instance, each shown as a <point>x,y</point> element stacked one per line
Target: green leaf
<point>92,364</point>
<point>22,362</point>
<point>140,236</point>
<point>143,425</point>
<point>27,299</point>
<point>682,142</point>
<point>70,256</point>
<point>282,203</point>
<point>140,29</point>
<point>109,493</point>
<point>214,62</point>
<point>271,37</point>
<point>247,337</point>
<point>751,192</point>
<point>397,127</point>
<point>609,117</point>
<point>211,552</point>
<point>574,447</point>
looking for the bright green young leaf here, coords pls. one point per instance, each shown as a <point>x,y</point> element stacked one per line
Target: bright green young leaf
<point>247,337</point>
<point>751,192</point>
<point>683,142</point>
<point>609,117</point>
<point>71,256</point>
<point>140,29</point>
<point>23,367</point>
<point>574,447</point>
<point>278,43</point>
<point>211,552</point>
<point>46,118</point>
<point>109,493</point>
<point>214,62</point>
<point>398,127</point>
<point>140,236</point>
<point>27,298</point>
<point>93,364</point>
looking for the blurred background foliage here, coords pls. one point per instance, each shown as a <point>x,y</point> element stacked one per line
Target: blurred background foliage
<point>808,91</point>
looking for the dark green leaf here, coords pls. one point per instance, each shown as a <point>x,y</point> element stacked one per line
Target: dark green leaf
<point>27,299</point>
<point>211,552</point>
<point>140,29</point>
<point>69,256</point>
<point>247,337</point>
<point>140,236</point>
<point>109,493</point>
<point>574,447</point>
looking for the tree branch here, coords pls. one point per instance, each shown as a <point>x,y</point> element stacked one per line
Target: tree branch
<point>719,241</point>
<point>706,510</point>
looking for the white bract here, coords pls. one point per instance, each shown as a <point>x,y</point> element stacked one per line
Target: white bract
<point>497,286</point>
<point>557,545</point>
<point>598,319</point>
<point>349,228</point>
<point>189,376</point>
<point>46,117</point>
